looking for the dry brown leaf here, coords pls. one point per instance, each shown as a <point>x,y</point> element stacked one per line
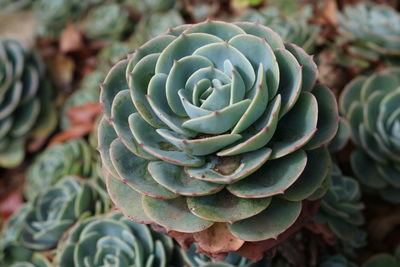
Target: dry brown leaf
<point>217,239</point>
<point>71,39</point>
<point>10,204</point>
<point>82,122</point>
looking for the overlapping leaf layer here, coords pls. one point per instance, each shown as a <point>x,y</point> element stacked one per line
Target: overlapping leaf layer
<point>216,122</point>
<point>371,105</point>
<point>25,102</point>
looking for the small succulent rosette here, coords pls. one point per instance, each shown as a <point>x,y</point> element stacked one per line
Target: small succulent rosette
<point>26,109</point>
<point>109,21</point>
<point>53,15</point>
<point>371,105</point>
<point>15,5</point>
<point>293,28</point>
<point>194,259</point>
<point>336,261</point>
<point>341,210</point>
<point>73,157</point>
<point>217,127</point>
<point>114,240</point>
<point>39,224</point>
<point>368,33</point>
<point>384,259</point>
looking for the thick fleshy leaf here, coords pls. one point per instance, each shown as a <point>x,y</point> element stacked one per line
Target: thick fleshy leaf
<point>229,170</point>
<point>158,102</point>
<point>123,196</point>
<point>273,178</point>
<point>265,126</point>
<point>366,171</point>
<point>182,46</point>
<point>122,107</point>
<point>176,180</point>
<point>219,121</point>
<point>225,207</point>
<point>297,127</point>
<point>106,135</point>
<point>155,145</point>
<point>263,226</point>
<point>139,79</point>
<point>350,94</point>
<point>258,103</point>
<point>199,146</point>
<point>132,170</point>
<point>260,54</point>
<point>327,117</point>
<point>316,171</point>
<point>223,30</point>
<point>174,214</point>
<point>290,80</point>
<point>114,82</point>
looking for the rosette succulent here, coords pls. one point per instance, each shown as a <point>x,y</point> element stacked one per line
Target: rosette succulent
<point>56,209</point>
<point>293,28</point>
<point>216,127</point>
<point>114,240</point>
<point>154,24</point>
<point>14,5</point>
<point>369,32</point>
<point>336,261</point>
<point>371,105</point>
<point>194,259</point>
<point>149,6</point>
<point>341,209</point>
<point>10,248</point>
<point>73,157</point>
<point>25,102</point>
<point>109,21</point>
<point>53,15</point>
<point>383,259</point>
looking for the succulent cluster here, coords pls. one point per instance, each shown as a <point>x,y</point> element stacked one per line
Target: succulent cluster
<point>371,105</point>
<point>368,33</point>
<point>341,209</point>
<point>14,5</point>
<point>199,131</point>
<point>107,21</point>
<point>39,224</point>
<point>26,109</point>
<point>194,259</point>
<point>116,241</point>
<point>292,28</point>
<point>74,157</point>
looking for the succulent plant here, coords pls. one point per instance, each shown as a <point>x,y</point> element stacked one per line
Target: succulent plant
<point>88,91</point>
<point>114,240</point>
<point>14,5</point>
<point>109,21</point>
<point>154,24</point>
<point>216,127</point>
<point>368,32</point>
<point>383,260</point>
<point>26,109</point>
<point>341,209</point>
<point>149,6</point>
<point>58,208</point>
<point>342,136</point>
<point>37,260</point>
<point>371,105</point>
<point>110,55</point>
<point>336,261</point>
<point>53,15</point>
<point>10,248</point>
<point>292,28</point>
<point>73,157</point>
<point>194,259</point>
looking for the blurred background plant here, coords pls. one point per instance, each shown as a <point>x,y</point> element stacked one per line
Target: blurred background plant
<point>69,46</point>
